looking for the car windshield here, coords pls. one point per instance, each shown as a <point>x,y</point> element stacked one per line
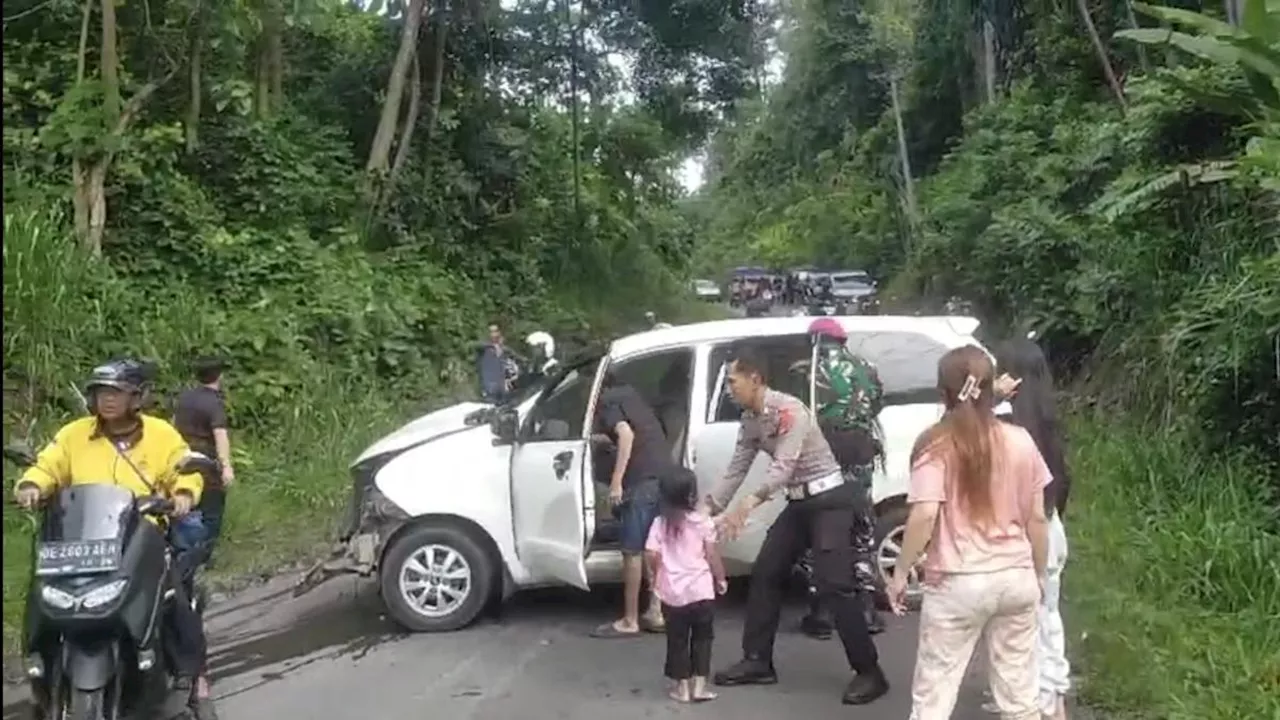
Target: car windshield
<point>852,279</point>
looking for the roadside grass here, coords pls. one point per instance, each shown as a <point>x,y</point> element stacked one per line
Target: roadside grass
<point>1173,581</point>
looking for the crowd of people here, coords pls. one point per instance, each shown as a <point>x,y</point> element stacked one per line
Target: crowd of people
<point>987,495</point>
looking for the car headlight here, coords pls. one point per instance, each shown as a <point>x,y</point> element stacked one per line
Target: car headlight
<point>59,599</point>
<point>100,596</point>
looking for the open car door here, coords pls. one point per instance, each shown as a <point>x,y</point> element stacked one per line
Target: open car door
<point>552,496</point>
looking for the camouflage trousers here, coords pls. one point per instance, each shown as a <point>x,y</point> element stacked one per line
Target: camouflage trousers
<point>866,575</point>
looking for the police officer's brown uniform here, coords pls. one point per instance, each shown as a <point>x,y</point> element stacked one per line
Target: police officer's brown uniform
<point>819,514</point>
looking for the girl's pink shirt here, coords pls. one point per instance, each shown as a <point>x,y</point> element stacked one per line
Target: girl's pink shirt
<point>684,573</point>
<point>958,544</point>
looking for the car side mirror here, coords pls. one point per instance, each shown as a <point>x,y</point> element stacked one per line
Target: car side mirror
<point>195,462</point>
<point>20,453</point>
<point>554,431</point>
<point>505,423</point>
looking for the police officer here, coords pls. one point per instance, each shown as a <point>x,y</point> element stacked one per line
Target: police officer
<point>819,514</point>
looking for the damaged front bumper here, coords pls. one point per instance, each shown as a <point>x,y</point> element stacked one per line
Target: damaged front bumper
<point>371,519</point>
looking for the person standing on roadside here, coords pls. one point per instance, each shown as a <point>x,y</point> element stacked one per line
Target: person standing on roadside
<point>687,574</point>
<point>1026,382</point>
<point>494,366</point>
<point>201,416</point>
<point>640,459</point>
<point>848,398</point>
<point>977,502</point>
<point>819,514</point>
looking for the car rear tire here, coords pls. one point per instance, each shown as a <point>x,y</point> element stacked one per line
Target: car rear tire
<point>891,525</point>
<point>437,578</point>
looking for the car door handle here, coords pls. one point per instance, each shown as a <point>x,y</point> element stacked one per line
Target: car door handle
<point>561,463</point>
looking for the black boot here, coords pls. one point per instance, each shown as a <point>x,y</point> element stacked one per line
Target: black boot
<point>865,687</point>
<point>817,623</point>
<point>748,671</point>
<point>875,623</point>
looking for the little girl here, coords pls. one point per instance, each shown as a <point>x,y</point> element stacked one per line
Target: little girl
<point>685,564</point>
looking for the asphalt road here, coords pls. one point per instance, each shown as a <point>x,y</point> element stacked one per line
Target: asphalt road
<point>330,655</point>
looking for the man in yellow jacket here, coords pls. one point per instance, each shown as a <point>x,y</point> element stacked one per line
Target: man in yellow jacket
<point>118,444</point>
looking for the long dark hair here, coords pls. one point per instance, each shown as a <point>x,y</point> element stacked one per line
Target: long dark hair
<point>1035,409</point>
<point>677,495</point>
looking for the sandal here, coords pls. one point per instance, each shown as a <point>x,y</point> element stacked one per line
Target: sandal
<point>649,625</point>
<point>610,631</point>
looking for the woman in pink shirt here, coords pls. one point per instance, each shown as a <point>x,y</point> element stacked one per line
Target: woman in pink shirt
<point>977,501</point>
<point>688,574</point>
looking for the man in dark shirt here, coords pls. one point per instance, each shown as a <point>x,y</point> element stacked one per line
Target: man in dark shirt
<point>626,420</point>
<point>201,416</point>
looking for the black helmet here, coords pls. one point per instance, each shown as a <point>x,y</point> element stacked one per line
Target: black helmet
<point>129,375</point>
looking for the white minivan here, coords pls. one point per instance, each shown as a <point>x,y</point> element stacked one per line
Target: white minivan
<point>474,502</point>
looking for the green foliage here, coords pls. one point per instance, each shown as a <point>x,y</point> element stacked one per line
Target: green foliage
<point>1173,579</point>
<point>239,219</point>
<point>1144,246</point>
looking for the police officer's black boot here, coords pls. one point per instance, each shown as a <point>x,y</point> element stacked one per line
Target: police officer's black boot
<point>817,623</point>
<point>875,623</point>
<point>865,687</point>
<point>747,671</point>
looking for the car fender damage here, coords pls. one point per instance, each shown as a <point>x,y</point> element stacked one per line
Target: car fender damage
<point>378,520</point>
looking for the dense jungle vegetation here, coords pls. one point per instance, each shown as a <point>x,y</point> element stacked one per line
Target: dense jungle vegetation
<point>339,196</point>
<point>1108,174</point>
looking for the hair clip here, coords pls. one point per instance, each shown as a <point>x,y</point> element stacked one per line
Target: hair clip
<point>970,390</point>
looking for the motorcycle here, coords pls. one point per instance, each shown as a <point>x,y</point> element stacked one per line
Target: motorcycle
<point>102,578</point>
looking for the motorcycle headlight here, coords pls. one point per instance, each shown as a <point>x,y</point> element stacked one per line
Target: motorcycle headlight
<point>56,598</point>
<point>100,596</point>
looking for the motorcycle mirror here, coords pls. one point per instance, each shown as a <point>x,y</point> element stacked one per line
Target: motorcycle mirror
<point>196,462</point>
<point>20,453</point>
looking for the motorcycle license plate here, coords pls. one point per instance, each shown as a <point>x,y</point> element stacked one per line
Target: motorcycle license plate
<point>77,557</point>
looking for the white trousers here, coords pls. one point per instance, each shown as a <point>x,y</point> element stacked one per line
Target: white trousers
<point>1051,645</point>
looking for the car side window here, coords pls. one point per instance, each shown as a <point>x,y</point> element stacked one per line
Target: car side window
<point>567,403</point>
<point>780,354</point>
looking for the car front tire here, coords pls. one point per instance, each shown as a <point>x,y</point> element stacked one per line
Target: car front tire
<point>437,578</point>
<point>891,526</point>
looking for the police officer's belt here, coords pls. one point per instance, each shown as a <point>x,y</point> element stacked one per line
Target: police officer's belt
<point>815,487</point>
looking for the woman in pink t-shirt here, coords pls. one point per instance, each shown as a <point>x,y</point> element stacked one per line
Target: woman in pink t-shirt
<point>977,502</point>
<point>688,574</point>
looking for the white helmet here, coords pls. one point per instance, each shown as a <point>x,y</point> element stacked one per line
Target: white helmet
<point>543,339</point>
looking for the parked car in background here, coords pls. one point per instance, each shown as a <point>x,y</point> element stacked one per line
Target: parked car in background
<point>472,503</point>
<point>852,285</point>
<point>707,290</point>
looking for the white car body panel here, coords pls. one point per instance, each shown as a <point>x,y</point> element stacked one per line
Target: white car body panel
<point>542,523</point>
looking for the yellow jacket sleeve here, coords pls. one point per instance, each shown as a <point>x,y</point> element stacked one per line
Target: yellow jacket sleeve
<point>53,464</point>
<point>171,481</point>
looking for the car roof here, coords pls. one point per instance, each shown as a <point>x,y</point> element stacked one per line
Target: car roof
<point>743,328</point>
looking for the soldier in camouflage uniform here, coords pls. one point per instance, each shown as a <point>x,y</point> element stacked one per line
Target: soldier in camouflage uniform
<point>849,399</point>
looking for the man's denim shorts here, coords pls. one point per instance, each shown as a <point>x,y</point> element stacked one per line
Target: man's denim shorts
<point>638,511</point>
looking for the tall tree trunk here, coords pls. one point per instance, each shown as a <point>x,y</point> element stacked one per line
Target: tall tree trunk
<point>989,58</point>
<point>380,151</point>
<point>109,65</point>
<point>1083,7</point>
<point>904,159</point>
<point>195,85</point>
<point>268,62</point>
<point>410,119</point>
<point>438,48</point>
<point>80,200</point>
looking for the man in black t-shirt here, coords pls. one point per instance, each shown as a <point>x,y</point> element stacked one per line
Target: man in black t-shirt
<point>641,455</point>
<point>201,416</point>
